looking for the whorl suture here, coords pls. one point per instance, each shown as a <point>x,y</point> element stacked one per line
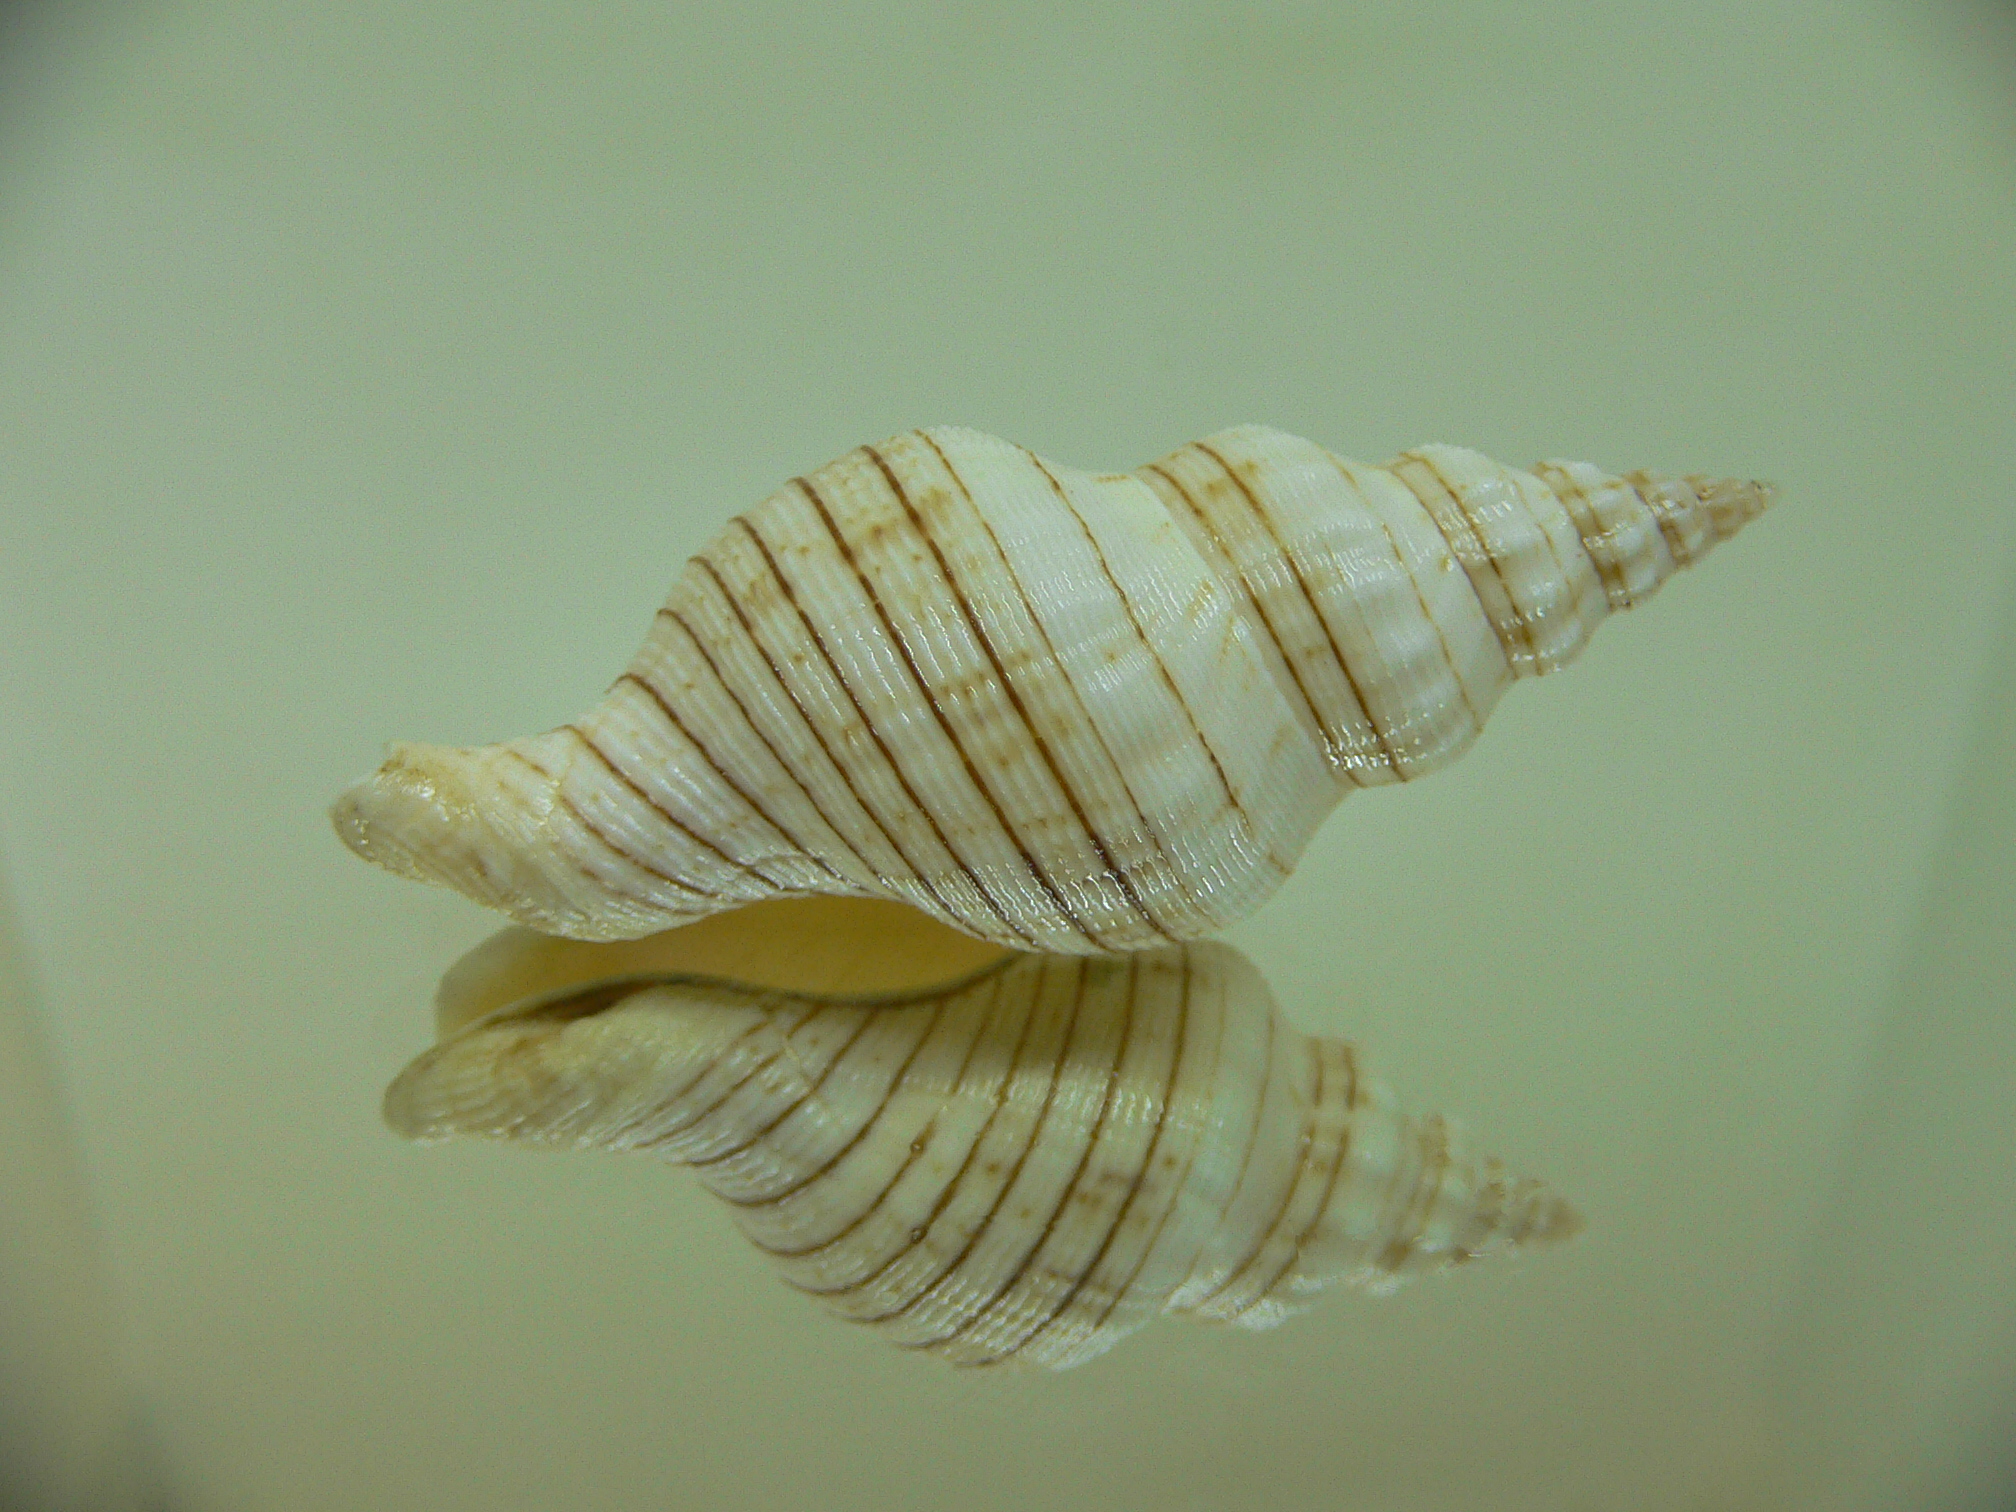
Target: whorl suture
<point>1058,710</point>
<point>1025,1163</point>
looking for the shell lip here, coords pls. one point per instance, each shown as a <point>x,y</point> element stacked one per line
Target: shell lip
<point>820,950</point>
<point>595,995</point>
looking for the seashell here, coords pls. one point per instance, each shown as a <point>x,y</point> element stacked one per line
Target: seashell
<point>1059,710</point>
<point>1028,1161</point>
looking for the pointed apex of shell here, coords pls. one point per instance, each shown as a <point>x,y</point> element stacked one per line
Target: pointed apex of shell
<point>1731,503</point>
<point>1695,513</point>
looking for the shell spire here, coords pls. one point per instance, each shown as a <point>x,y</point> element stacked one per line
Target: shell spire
<point>1026,1163</point>
<point>1058,710</point>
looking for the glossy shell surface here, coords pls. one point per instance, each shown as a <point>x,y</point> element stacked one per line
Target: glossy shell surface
<point>1026,1163</point>
<point>1059,710</point>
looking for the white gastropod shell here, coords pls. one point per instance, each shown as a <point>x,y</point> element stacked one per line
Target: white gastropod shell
<point>1027,1162</point>
<point>1058,710</point>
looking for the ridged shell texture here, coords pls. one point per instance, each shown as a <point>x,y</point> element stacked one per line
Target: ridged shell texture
<point>1025,1164</point>
<point>1062,711</point>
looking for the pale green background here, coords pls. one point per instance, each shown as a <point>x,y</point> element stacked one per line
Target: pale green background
<point>366,370</point>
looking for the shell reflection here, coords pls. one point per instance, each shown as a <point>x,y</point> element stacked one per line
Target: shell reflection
<point>1027,1163</point>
